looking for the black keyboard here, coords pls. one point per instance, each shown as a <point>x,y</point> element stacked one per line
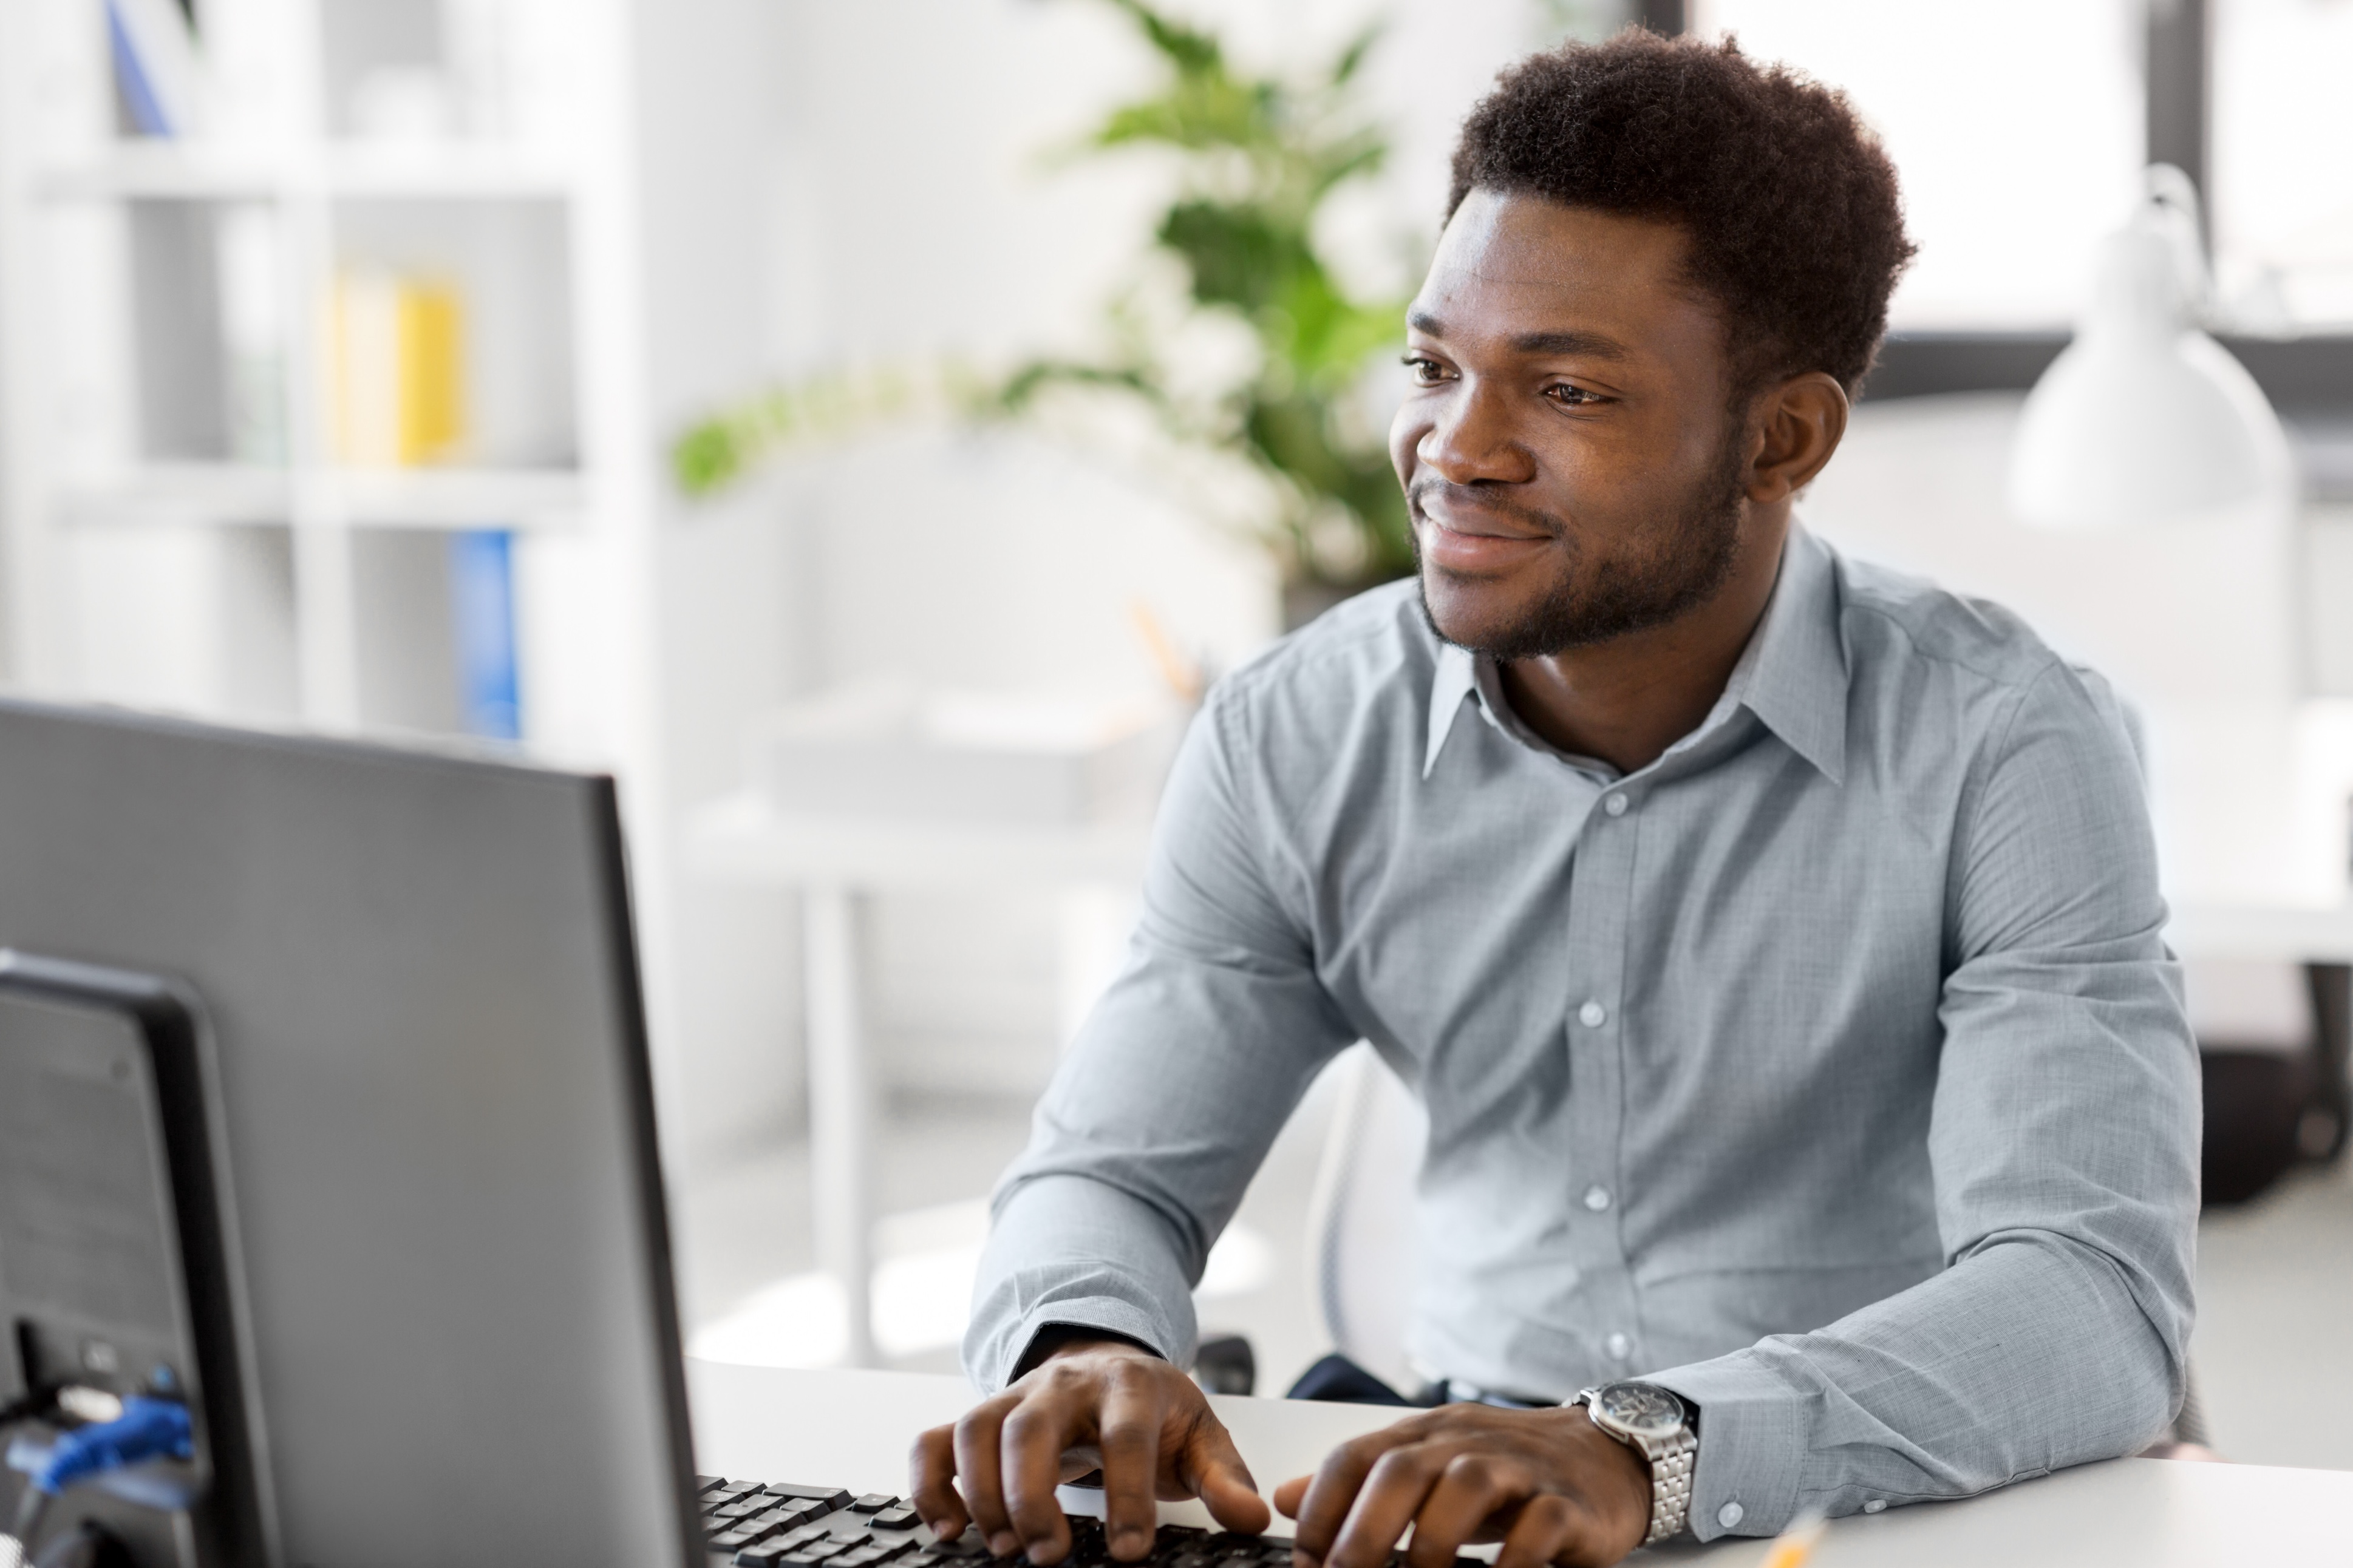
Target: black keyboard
<point>757,1524</point>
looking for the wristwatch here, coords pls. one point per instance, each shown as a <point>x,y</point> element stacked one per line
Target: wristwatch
<point>1653,1423</point>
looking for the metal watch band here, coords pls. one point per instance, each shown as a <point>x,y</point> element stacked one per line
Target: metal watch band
<point>1671,1484</point>
<point>1671,1458</point>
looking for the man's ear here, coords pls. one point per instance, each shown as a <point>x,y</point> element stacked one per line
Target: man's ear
<point>1801,422</point>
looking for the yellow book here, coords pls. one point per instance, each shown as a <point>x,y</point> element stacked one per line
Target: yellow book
<point>432,372</point>
<point>399,369</point>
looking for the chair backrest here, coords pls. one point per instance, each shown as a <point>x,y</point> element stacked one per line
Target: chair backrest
<point>1361,1226</point>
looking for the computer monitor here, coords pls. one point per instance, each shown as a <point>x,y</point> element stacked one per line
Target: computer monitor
<point>418,978</point>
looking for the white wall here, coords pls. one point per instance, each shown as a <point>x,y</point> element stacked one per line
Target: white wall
<point>908,199</point>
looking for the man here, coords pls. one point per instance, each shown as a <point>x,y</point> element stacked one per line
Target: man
<point>1773,940</point>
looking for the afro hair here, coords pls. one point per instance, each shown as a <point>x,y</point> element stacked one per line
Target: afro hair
<point>1788,203</point>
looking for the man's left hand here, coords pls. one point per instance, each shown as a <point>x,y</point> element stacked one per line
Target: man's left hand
<point>1550,1485</point>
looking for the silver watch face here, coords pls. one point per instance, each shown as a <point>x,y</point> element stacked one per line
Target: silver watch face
<point>1639,1409</point>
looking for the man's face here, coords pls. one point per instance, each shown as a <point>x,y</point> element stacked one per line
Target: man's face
<point>1569,458</point>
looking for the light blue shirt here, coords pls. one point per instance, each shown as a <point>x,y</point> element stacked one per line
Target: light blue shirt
<point>1829,1070</point>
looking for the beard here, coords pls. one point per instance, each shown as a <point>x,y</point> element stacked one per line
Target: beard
<point>1683,564</point>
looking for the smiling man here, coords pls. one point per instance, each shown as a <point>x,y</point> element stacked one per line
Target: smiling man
<point>1773,940</point>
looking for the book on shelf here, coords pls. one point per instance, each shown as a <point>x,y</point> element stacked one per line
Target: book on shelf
<point>481,604</point>
<point>157,68</point>
<point>400,369</point>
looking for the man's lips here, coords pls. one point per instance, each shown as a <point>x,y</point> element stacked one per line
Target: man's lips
<point>1468,542</point>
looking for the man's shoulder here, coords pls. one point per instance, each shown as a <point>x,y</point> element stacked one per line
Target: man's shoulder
<point>1892,618</point>
<point>1929,661</point>
<point>1355,670</point>
<point>1371,644</point>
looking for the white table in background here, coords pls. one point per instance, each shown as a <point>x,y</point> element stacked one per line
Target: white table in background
<point>853,1428</point>
<point>834,862</point>
<point>2292,933</point>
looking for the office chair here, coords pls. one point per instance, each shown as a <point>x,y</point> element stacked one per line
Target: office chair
<point>1360,1217</point>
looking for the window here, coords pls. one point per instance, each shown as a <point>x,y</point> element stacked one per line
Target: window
<point>2283,161</point>
<point>2016,127</point>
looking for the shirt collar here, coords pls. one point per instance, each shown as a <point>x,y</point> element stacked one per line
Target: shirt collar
<point>1457,677</point>
<point>1792,675</point>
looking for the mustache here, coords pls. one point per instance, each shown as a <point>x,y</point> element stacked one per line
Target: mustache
<point>1472,499</point>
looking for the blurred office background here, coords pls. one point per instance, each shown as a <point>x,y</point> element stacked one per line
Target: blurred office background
<point>711,391</point>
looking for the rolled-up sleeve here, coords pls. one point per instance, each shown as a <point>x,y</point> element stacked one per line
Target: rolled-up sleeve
<point>2064,1141</point>
<point>1174,1090</point>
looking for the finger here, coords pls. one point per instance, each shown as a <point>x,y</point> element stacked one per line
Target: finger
<point>1324,1506</point>
<point>1550,1529</point>
<point>1288,1495</point>
<point>1030,1445</point>
<point>931,1471</point>
<point>977,1439</point>
<point>1129,1436</point>
<point>1470,1491</point>
<point>1393,1490</point>
<point>1212,1468</point>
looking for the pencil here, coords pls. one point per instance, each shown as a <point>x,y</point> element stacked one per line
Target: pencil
<point>1795,1545</point>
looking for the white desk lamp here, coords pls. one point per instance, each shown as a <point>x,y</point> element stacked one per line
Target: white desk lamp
<point>2144,418</point>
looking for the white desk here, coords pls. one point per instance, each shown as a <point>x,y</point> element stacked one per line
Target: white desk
<point>853,1428</point>
<point>834,862</point>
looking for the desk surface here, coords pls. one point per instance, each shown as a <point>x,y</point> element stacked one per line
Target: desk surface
<point>853,1428</point>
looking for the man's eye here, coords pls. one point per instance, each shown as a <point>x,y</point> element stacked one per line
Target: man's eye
<point>1425,372</point>
<point>1572,396</point>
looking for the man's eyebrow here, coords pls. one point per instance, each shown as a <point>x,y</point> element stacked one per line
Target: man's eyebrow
<point>1594,346</point>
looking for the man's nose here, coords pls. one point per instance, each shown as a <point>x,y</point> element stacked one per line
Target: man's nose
<point>1473,438</point>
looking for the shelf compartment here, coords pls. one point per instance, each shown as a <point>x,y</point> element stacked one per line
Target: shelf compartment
<point>456,170</point>
<point>219,494</point>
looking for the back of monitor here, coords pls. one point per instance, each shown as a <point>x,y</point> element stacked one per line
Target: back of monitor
<point>420,980</point>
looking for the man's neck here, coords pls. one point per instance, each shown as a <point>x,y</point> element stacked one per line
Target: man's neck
<point>1627,700</point>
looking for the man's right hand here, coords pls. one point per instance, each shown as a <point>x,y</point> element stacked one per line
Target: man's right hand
<point>1091,1403</point>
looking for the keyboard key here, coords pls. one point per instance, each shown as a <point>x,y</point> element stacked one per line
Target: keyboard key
<point>860,1557</point>
<point>799,1534</point>
<point>731,1540</point>
<point>827,1499</point>
<point>900,1517</point>
<point>765,1555</point>
<point>709,1483</point>
<point>873,1502</point>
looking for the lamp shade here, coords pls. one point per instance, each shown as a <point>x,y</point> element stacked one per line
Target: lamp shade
<point>2144,418</point>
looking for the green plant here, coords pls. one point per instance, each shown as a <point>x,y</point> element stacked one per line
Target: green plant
<point>1259,155</point>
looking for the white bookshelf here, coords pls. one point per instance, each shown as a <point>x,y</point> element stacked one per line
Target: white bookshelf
<point>147,561</point>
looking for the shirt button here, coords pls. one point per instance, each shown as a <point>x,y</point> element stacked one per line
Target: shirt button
<point>1614,804</point>
<point>1876,1505</point>
<point>1730,1514</point>
<point>1618,1346</point>
<point>1597,1198</point>
<point>1593,1014</point>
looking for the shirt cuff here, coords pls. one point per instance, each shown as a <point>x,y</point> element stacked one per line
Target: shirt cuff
<point>1750,1448</point>
<point>1109,1314</point>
